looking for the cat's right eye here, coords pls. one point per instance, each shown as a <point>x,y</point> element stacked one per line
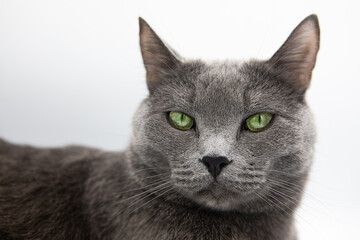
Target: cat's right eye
<point>181,120</point>
<point>259,121</point>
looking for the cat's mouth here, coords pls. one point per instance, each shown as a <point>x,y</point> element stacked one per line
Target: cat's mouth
<point>224,193</point>
<point>214,189</point>
<point>217,196</point>
<point>222,196</point>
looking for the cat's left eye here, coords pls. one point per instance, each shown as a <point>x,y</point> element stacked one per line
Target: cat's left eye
<point>180,120</point>
<point>259,121</point>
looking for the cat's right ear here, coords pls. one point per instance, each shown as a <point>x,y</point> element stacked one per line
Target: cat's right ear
<point>296,58</point>
<point>158,59</point>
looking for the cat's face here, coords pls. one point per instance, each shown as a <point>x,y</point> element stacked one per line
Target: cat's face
<point>219,161</point>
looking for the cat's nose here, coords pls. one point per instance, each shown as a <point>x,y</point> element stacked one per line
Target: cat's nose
<point>215,164</point>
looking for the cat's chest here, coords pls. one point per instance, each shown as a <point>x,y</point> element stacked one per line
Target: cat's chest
<point>166,224</point>
<point>185,228</point>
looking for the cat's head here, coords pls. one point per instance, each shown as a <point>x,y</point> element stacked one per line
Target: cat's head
<point>225,134</point>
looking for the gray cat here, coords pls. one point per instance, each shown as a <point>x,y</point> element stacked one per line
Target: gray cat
<point>219,150</point>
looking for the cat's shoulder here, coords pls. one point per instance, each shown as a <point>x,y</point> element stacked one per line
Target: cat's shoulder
<point>28,153</point>
<point>37,163</point>
<point>42,190</point>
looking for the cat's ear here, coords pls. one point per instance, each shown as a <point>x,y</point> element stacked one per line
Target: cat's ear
<point>159,60</point>
<point>295,59</point>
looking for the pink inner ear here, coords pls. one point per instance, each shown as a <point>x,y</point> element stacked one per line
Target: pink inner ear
<point>310,52</point>
<point>308,44</point>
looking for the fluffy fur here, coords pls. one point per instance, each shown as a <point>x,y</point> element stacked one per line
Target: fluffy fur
<point>157,188</point>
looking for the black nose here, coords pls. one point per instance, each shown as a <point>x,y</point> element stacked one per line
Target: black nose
<point>215,164</point>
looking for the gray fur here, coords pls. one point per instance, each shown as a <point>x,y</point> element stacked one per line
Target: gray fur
<point>157,188</point>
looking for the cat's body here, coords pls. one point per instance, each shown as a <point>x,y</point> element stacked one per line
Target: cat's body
<point>215,180</point>
<point>67,193</point>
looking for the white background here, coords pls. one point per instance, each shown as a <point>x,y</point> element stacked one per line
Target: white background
<point>71,72</point>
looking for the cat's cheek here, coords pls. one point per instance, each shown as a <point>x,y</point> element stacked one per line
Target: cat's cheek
<point>171,141</point>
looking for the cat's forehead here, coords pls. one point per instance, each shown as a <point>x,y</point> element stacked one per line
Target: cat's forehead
<point>219,88</point>
<point>227,89</point>
<point>220,76</point>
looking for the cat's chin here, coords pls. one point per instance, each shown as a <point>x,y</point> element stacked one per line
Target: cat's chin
<point>217,197</point>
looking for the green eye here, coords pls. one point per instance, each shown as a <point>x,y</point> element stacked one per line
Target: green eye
<point>180,120</point>
<point>258,121</point>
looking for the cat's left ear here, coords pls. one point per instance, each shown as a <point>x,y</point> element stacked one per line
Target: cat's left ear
<point>159,60</point>
<point>296,58</point>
